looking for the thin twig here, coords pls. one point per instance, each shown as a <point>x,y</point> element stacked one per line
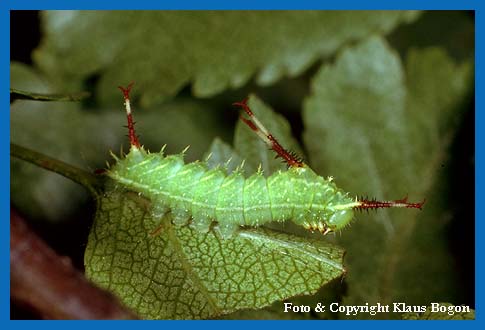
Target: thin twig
<point>90,181</point>
<point>16,94</point>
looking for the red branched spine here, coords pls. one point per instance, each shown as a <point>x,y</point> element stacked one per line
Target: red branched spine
<point>289,157</point>
<point>369,204</point>
<point>131,124</point>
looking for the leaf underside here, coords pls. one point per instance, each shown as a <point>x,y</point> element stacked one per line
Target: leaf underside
<point>183,274</point>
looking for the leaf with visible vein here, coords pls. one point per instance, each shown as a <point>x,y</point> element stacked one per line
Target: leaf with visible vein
<point>184,274</point>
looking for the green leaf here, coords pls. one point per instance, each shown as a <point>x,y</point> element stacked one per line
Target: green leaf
<point>451,313</point>
<point>382,130</point>
<point>181,273</point>
<point>214,50</point>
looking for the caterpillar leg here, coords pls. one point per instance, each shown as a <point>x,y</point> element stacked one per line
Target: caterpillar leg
<point>289,157</point>
<point>158,212</point>
<point>180,217</point>
<point>201,224</point>
<point>226,230</point>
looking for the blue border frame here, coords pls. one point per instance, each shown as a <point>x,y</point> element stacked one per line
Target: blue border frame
<point>5,165</point>
<point>6,5</point>
<point>248,4</point>
<point>479,156</point>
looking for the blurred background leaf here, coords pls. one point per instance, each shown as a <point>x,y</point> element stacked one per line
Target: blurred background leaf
<point>213,50</point>
<point>385,130</point>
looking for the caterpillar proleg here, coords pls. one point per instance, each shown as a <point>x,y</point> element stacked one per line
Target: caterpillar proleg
<point>197,194</point>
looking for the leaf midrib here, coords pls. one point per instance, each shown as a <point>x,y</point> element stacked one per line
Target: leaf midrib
<point>189,270</point>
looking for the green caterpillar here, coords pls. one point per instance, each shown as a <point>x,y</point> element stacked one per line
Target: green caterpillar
<point>199,195</point>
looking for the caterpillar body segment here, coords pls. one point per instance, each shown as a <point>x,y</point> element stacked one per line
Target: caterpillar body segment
<point>194,193</point>
<point>199,195</point>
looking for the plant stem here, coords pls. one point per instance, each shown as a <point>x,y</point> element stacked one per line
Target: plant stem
<point>90,181</point>
<point>16,94</point>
